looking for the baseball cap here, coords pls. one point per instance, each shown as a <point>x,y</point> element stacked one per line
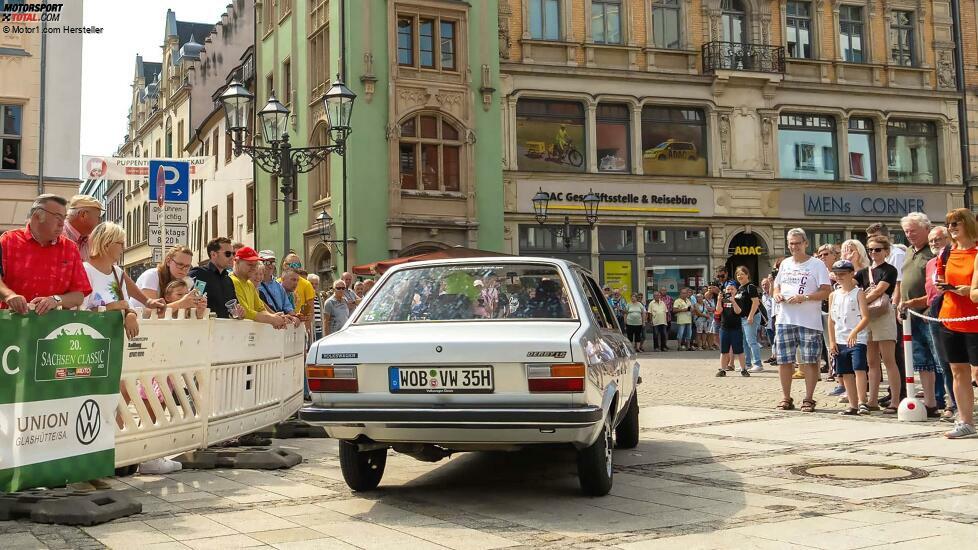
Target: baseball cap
<point>84,201</point>
<point>843,265</point>
<point>266,255</point>
<point>247,254</point>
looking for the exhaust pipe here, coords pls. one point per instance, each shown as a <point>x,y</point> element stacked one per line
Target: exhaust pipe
<point>425,452</point>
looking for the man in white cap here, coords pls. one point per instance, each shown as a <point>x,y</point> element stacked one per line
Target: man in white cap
<point>271,291</point>
<point>84,214</point>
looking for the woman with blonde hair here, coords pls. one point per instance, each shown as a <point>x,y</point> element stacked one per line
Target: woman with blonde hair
<point>105,246</point>
<point>855,252</point>
<point>175,266</point>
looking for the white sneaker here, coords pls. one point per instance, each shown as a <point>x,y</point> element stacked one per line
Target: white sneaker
<point>160,466</point>
<point>961,431</point>
<point>757,369</point>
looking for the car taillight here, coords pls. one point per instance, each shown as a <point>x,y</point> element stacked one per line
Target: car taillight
<point>556,378</point>
<point>332,378</point>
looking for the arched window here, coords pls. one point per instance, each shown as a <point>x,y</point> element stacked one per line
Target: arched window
<point>430,153</point>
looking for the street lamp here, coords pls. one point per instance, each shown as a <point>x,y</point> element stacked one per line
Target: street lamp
<point>591,201</point>
<point>325,220</point>
<point>280,158</point>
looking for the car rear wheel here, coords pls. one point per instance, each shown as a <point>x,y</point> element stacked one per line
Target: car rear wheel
<point>594,463</point>
<point>626,434</point>
<point>362,470</point>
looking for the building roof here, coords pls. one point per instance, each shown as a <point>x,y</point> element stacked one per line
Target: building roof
<point>187,31</point>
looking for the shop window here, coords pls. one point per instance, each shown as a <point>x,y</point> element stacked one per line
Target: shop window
<point>902,38</point>
<point>861,165</point>
<point>911,151</point>
<point>430,154</point>
<point>606,21</point>
<point>799,24</point>
<point>693,241</point>
<point>807,147</point>
<point>851,33</point>
<point>665,24</point>
<point>550,135</point>
<point>544,19</point>
<point>674,141</point>
<point>426,42</point>
<point>614,240</point>
<point>613,137</point>
<point>544,238</point>
<point>10,136</point>
<point>694,234</point>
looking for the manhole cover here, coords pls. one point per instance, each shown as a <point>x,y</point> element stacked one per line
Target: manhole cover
<point>859,471</point>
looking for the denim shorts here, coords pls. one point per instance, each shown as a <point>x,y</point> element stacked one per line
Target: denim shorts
<point>732,339</point>
<point>849,360</point>
<point>793,339</point>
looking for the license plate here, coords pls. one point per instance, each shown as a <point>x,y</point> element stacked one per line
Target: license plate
<point>440,379</point>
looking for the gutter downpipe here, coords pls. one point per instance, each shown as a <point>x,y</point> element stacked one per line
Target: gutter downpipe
<point>44,93</point>
<point>346,236</point>
<point>962,102</point>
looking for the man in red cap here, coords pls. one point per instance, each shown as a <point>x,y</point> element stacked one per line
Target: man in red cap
<point>249,302</point>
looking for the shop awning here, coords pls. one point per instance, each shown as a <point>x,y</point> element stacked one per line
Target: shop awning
<point>378,268</point>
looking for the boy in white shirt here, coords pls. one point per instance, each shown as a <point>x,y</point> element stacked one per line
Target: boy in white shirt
<point>848,319</point>
<point>801,285</point>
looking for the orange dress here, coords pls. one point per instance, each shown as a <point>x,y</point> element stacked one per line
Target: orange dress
<point>959,269</point>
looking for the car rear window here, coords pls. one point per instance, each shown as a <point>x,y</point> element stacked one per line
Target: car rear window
<point>470,292</point>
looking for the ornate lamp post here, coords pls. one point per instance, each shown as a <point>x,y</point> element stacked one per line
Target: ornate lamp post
<point>591,201</point>
<point>280,158</point>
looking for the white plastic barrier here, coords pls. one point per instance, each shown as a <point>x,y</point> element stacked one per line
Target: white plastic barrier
<point>189,383</point>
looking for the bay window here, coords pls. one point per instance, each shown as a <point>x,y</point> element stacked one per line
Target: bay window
<point>807,147</point>
<point>674,141</point>
<point>911,151</point>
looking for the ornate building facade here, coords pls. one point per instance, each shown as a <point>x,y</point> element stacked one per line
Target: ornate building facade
<point>711,127</point>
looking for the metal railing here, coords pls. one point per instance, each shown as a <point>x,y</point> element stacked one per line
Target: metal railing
<point>736,56</point>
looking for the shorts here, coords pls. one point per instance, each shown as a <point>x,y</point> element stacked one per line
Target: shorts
<point>883,328</point>
<point>849,360</point>
<point>732,339</point>
<point>961,347</point>
<point>793,339</point>
<point>702,325</point>
<point>635,333</point>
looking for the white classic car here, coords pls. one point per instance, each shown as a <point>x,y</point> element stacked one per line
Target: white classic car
<point>478,354</point>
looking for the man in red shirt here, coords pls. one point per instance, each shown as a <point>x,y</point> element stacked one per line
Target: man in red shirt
<point>40,269</point>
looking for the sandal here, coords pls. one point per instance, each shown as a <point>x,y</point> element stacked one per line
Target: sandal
<point>933,412</point>
<point>849,412</point>
<point>744,372</point>
<point>786,404</point>
<point>721,373</point>
<point>890,410</point>
<point>807,406</point>
<point>872,407</point>
<point>863,409</point>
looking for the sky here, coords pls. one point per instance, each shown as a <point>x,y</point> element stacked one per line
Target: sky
<point>108,60</point>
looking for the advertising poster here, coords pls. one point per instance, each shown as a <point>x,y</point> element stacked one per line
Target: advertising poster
<point>59,387</point>
<point>618,275</point>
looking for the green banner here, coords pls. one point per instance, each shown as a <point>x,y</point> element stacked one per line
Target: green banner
<point>59,388</point>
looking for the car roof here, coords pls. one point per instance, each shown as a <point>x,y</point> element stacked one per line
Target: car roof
<point>495,260</point>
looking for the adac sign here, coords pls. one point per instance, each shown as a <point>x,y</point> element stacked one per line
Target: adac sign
<point>746,250</point>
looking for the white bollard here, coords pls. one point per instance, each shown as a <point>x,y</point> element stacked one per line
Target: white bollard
<point>911,409</point>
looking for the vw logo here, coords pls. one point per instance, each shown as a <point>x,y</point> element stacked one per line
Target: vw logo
<point>438,349</point>
<point>88,423</point>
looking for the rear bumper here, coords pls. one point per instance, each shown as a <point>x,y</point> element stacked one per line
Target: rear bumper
<point>455,418</point>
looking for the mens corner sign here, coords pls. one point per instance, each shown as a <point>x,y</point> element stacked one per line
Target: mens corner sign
<point>59,388</point>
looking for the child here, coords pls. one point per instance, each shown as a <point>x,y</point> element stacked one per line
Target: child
<point>731,331</point>
<point>176,290</point>
<point>848,319</point>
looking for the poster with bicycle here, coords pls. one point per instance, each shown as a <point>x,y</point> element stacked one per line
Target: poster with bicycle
<point>550,136</point>
<point>59,388</point>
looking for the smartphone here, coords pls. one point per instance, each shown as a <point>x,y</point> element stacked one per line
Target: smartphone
<point>200,287</point>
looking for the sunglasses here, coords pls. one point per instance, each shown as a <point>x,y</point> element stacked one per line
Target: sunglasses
<point>228,254</point>
<point>954,223</point>
<point>875,249</point>
<point>339,288</point>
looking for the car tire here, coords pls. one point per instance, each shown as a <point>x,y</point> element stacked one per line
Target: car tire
<point>362,470</point>
<point>626,434</point>
<point>595,463</point>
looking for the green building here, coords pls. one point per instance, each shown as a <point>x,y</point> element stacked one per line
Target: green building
<point>425,157</point>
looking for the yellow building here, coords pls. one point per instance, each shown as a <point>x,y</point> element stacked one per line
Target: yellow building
<point>36,85</point>
<point>711,127</point>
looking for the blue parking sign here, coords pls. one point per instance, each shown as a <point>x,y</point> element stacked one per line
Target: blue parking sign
<point>175,182</point>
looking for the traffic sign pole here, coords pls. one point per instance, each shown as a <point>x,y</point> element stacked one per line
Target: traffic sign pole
<point>161,202</point>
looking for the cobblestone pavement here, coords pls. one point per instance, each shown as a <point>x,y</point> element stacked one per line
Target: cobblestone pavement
<point>717,467</point>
